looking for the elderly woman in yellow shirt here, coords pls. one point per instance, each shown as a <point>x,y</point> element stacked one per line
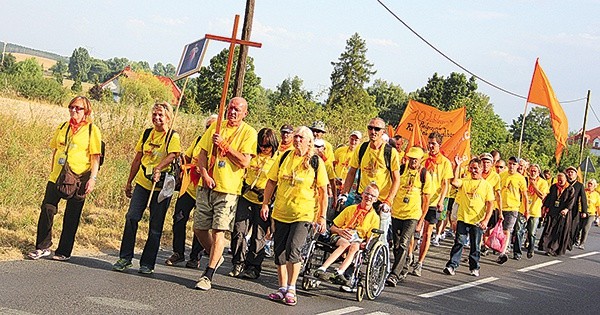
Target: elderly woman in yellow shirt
<point>78,143</point>
<point>586,219</point>
<point>301,181</point>
<point>155,150</point>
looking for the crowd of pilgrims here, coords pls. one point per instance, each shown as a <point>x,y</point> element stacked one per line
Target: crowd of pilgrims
<point>267,190</point>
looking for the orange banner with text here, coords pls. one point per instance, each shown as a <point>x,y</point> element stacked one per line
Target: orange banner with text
<point>430,119</point>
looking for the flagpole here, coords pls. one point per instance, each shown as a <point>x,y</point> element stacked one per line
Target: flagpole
<point>525,112</point>
<point>585,115</point>
<point>586,169</point>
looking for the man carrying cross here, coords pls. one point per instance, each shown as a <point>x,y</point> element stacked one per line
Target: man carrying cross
<point>222,174</point>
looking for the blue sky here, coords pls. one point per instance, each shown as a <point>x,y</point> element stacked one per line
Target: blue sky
<point>497,40</point>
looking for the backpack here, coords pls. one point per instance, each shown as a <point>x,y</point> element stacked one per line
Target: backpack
<point>102,144</point>
<point>176,165</point>
<point>314,162</point>
<point>423,173</point>
<point>387,156</point>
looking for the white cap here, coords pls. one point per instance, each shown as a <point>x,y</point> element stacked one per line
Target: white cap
<point>319,143</point>
<point>356,133</point>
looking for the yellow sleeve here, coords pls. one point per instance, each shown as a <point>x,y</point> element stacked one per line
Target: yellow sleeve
<point>322,178</point>
<point>139,146</point>
<point>174,144</point>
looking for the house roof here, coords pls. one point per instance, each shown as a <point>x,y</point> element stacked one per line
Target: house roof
<point>589,134</point>
<point>127,72</point>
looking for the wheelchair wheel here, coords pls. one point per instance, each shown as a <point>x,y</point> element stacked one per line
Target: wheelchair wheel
<point>377,269</point>
<point>306,284</point>
<point>360,292</point>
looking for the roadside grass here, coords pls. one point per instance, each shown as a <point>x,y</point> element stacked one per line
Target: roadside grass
<point>25,165</point>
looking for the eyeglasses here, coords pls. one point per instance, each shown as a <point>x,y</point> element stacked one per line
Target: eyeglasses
<point>264,145</point>
<point>318,146</point>
<point>377,129</point>
<point>498,166</point>
<point>366,194</point>
<point>76,108</point>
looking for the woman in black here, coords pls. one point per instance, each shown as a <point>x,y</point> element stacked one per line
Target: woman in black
<point>557,231</point>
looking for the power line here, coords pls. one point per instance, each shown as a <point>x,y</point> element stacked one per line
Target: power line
<point>456,63</point>
<point>594,112</point>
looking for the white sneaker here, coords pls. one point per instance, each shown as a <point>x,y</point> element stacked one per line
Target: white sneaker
<point>475,272</point>
<point>39,253</point>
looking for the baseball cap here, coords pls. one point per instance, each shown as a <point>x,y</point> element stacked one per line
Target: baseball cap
<point>486,156</point>
<point>287,128</point>
<point>571,168</point>
<point>415,153</point>
<point>318,125</point>
<point>356,133</point>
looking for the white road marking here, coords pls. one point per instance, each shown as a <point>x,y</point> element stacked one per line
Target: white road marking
<point>8,311</point>
<point>538,266</point>
<point>125,304</point>
<point>377,313</point>
<point>584,255</point>
<point>342,311</point>
<point>458,287</point>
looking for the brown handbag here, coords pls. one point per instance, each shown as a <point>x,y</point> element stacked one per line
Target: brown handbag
<point>69,184</point>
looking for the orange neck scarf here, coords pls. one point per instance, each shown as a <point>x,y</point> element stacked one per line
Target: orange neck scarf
<point>358,217</point>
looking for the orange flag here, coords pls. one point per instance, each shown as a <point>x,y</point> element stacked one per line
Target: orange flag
<point>432,119</point>
<point>459,144</point>
<point>541,93</point>
<point>390,131</point>
<point>416,138</point>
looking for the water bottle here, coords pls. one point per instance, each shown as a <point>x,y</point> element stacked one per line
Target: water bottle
<point>384,225</point>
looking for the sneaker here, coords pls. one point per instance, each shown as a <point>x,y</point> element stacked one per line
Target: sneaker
<point>250,273</point>
<point>442,236</point>
<point>529,255</point>
<point>268,251</point>
<point>193,264</point>
<point>484,251</point>
<point>449,270</point>
<point>145,270</point>
<point>435,242</point>
<point>391,281</point>
<point>449,234</point>
<point>61,257</point>
<point>39,253</point>
<point>517,257</point>
<point>340,279</point>
<point>203,283</point>
<point>417,270</point>
<point>323,275</point>
<point>475,272</point>
<point>174,259</point>
<point>236,271</point>
<point>581,247</point>
<point>221,260</point>
<point>502,259</point>
<point>122,264</point>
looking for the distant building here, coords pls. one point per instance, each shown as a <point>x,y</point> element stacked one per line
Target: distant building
<point>114,86</point>
<point>591,140</point>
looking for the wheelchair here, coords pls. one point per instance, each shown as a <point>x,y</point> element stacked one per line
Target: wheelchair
<point>371,264</point>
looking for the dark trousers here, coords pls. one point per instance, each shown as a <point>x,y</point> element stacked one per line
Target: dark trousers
<point>464,231</point>
<point>158,211</point>
<point>402,231</point>
<point>532,224</point>
<point>71,218</point>
<point>183,207</point>
<point>247,216</point>
<point>518,234</point>
<point>583,228</point>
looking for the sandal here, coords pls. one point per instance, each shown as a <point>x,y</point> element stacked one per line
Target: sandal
<point>290,298</point>
<point>277,296</point>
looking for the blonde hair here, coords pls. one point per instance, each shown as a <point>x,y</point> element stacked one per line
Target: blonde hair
<point>210,120</point>
<point>167,108</point>
<point>306,133</point>
<point>86,104</point>
<point>593,181</point>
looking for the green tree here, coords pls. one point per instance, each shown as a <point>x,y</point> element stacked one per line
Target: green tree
<point>210,82</point>
<point>170,70</point>
<point>8,62</point>
<point>59,69</point>
<point>537,126</point>
<point>116,64</point>
<point>349,104</point>
<point>141,66</point>
<point>79,64</point>
<point>98,71</point>
<point>290,88</point>
<point>390,100</point>
<point>28,68</point>
<point>158,69</point>
<point>446,93</point>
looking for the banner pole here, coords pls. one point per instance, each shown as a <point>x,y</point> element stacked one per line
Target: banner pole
<point>585,115</point>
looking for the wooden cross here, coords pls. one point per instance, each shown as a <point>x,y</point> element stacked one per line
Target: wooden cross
<point>232,42</point>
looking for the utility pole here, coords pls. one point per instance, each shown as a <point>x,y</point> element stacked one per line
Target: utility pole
<point>3,52</point>
<point>582,145</point>
<point>240,72</point>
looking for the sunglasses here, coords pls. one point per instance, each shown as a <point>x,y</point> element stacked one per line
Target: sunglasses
<point>499,166</point>
<point>318,146</point>
<point>76,108</point>
<point>264,145</point>
<point>374,128</point>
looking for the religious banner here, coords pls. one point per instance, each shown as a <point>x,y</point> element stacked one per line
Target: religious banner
<point>416,139</point>
<point>459,144</point>
<point>191,58</point>
<point>390,131</point>
<point>430,119</point>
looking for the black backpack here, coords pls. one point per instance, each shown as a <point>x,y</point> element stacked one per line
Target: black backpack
<point>177,163</point>
<point>102,144</point>
<point>314,162</point>
<point>423,173</point>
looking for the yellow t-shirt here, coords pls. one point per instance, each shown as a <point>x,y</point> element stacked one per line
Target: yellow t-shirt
<point>411,188</point>
<point>511,187</point>
<point>441,171</point>
<point>342,158</point>
<point>472,196</point>
<point>153,151</point>
<point>192,151</point>
<point>370,221</point>
<point>81,146</point>
<point>259,167</point>
<point>494,180</point>
<point>295,198</point>
<point>228,176</point>
<point>328,152</point>
<point>535,203</point>
<point>593,199</point>
<point>373,169</point>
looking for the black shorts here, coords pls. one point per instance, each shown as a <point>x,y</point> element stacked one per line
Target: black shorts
<point>289,238</point>
<point>432,216</point>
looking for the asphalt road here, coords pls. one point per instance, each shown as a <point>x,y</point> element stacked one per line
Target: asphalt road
<point>85,285</point>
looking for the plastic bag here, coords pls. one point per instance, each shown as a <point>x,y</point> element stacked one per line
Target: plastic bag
<point>168,188</point>
<point>497,238</point>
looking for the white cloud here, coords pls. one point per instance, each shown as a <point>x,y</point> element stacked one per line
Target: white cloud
<point>582,40</point>
<point>169,21</point>
<point>478,14</point>
<point>505,57</point>
<point>382,42</point>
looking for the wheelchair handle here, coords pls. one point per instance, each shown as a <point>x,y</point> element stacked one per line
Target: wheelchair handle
<point>377,231</point>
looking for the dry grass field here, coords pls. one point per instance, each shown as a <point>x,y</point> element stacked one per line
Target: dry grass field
<point>45,62</point>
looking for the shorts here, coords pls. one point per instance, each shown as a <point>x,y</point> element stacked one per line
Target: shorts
<point>432,216</point>
<point>214,210</point>
<point>447,212</point>
<point>510,218</point>
<point>289,238</point>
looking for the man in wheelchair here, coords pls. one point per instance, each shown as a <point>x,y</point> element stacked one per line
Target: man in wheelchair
<point>349,230</point>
